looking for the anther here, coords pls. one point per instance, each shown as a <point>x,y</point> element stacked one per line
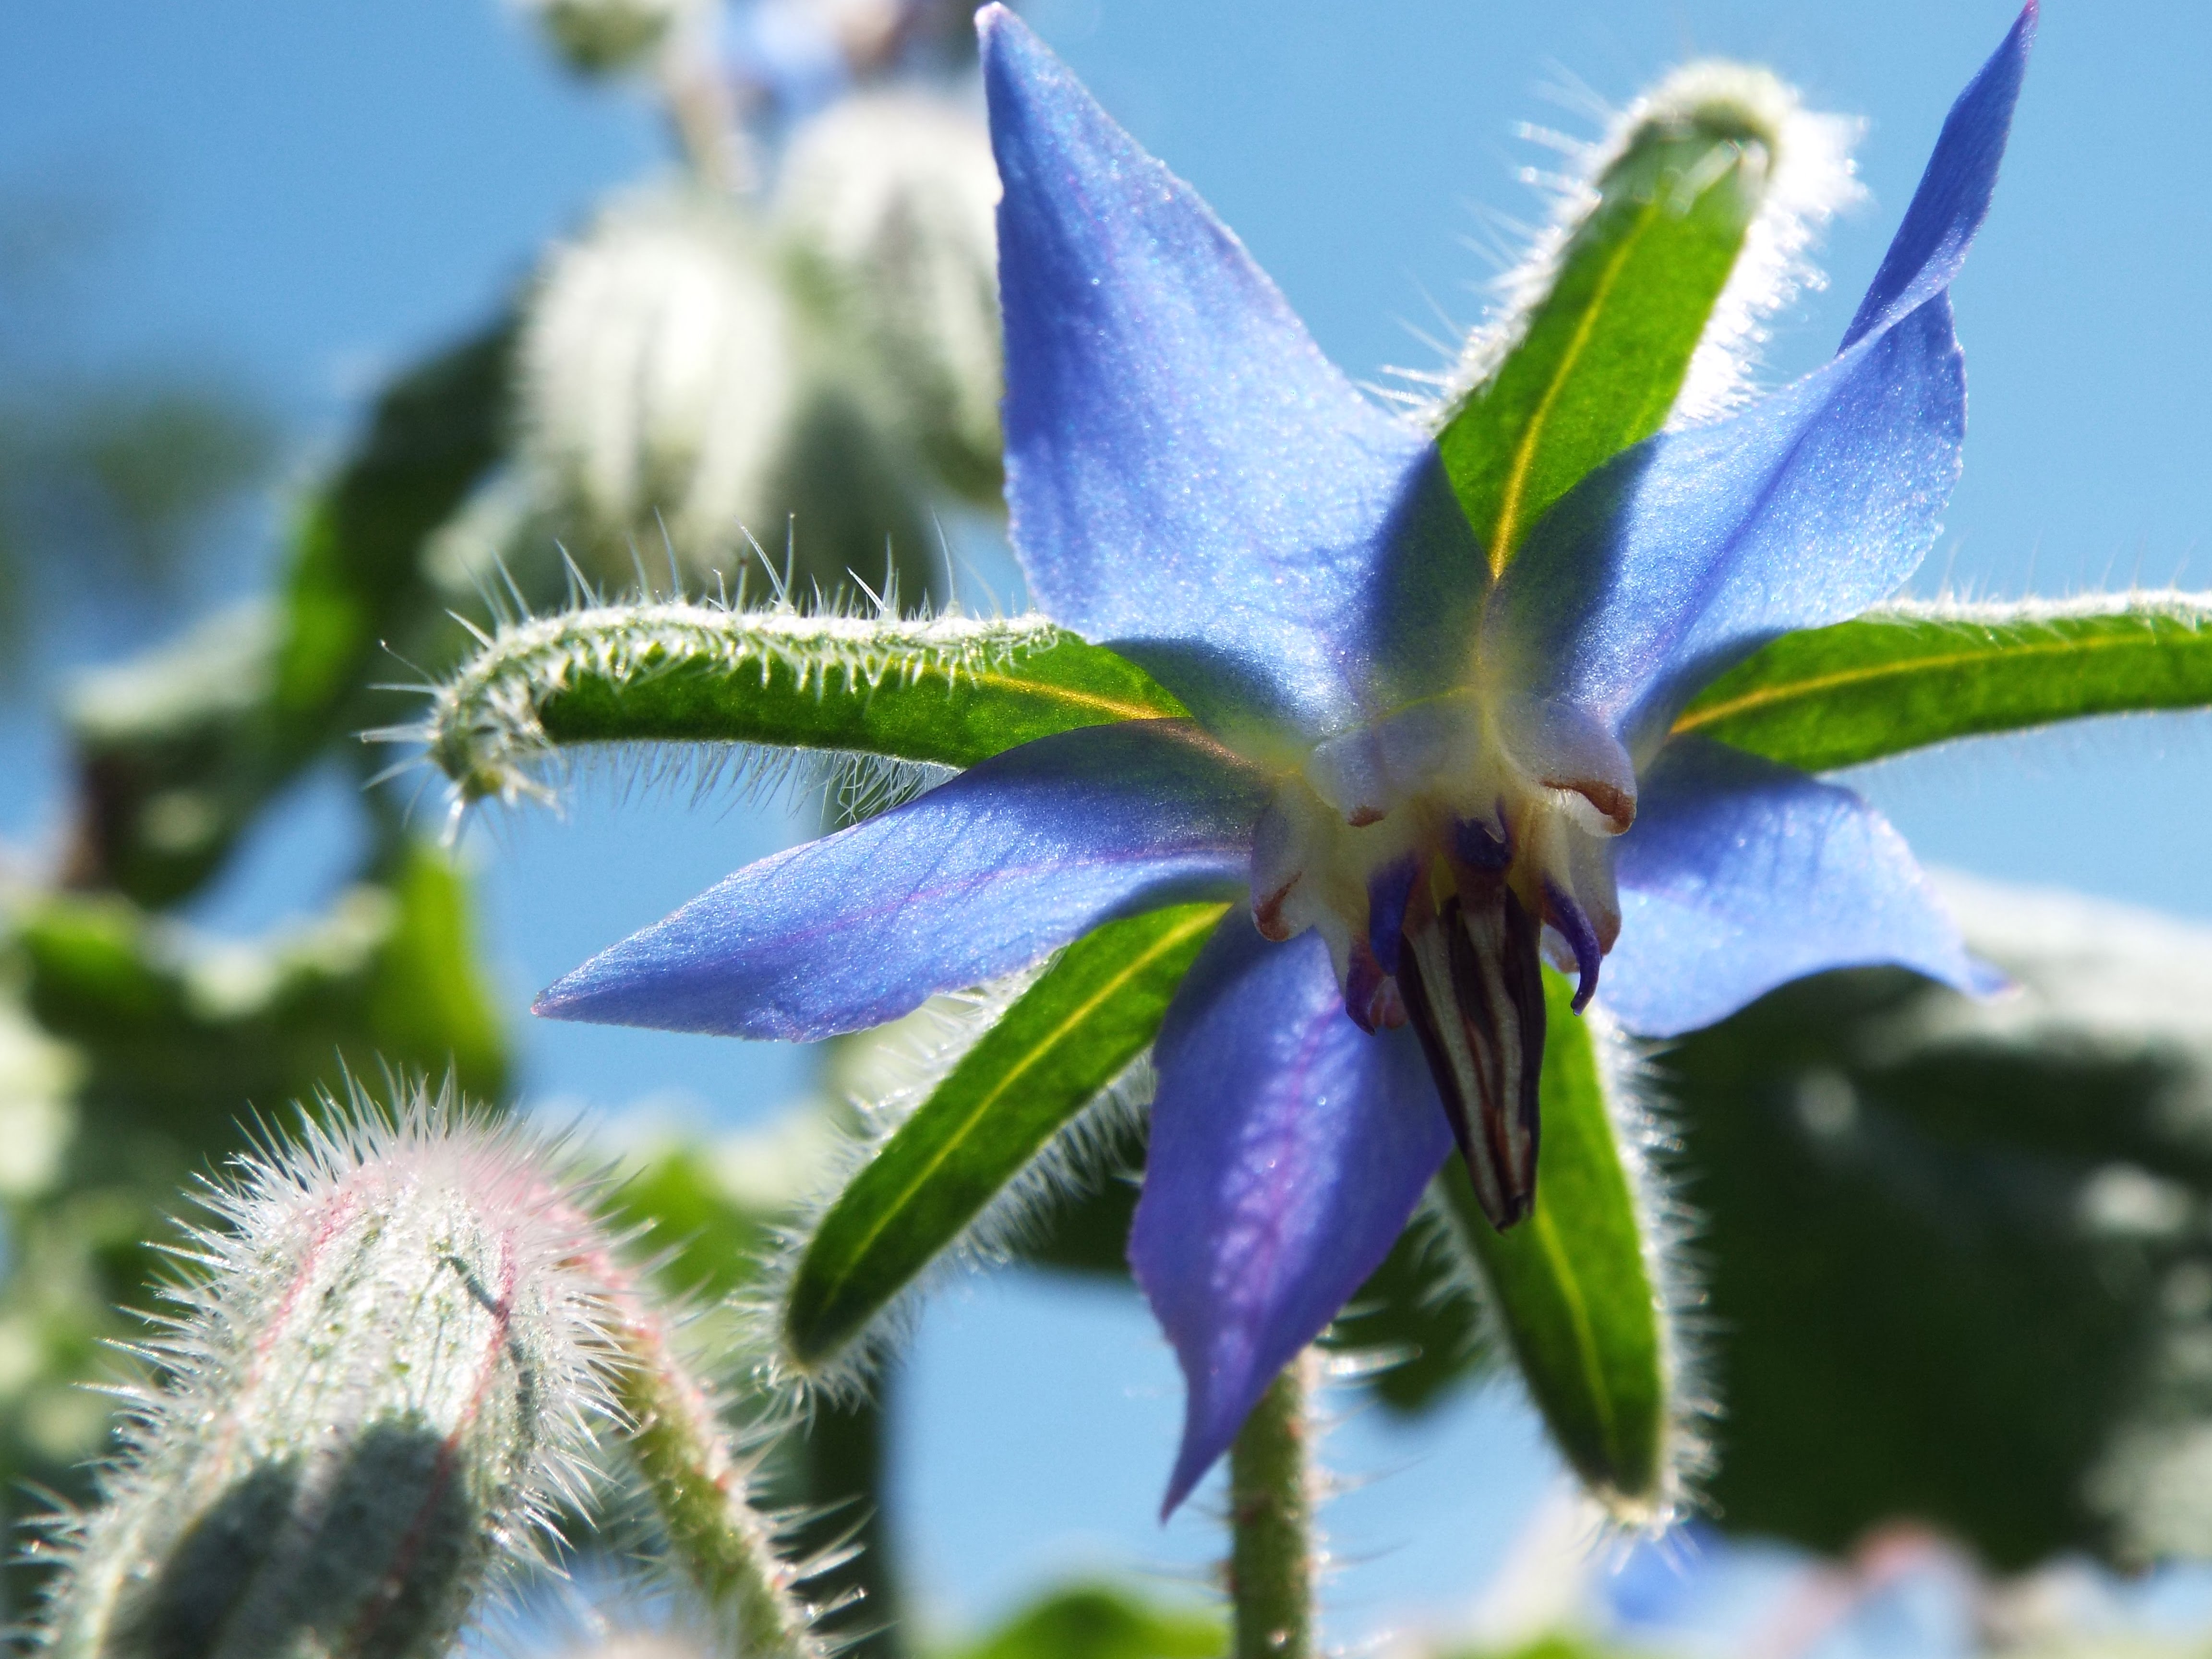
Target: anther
<point>1473,993</point>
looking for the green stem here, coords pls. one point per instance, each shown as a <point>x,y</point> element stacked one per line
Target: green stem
<point>698,1486</point>
<point>844,1457</point>
<point>703,114</point>
<point>1270,1562</point>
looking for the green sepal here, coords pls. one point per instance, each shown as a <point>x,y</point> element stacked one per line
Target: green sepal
<point>1571,1287</point>
<point>949,690</point>
<point>1908,676</point>
<point>1065,1039</point>
<point>1603,355</point>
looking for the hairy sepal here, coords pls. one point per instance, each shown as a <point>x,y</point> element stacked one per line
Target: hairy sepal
<point>1056,1049</point>
<point>1909,675</point>
<point>1683,228</point>
<point>1583,1292</point>
<point>947,690</point>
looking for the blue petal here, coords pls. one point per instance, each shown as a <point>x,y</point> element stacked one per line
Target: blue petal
<point>1953,197</point>
<point>1191,481</point>
<point>1688,552</point>
<point>1740,875</point>
<point>980,877</point>
<point>1288,1149</point>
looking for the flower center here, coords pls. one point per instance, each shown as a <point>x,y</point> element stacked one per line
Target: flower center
<point>1438,853</point>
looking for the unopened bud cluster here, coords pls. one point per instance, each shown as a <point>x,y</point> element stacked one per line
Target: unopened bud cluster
<point>389,1352</point>
<point>658,371</point>
<point>697,367</point>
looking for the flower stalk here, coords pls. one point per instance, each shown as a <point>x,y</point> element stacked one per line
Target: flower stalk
<point>1271,1494</point>
<point>698,1480</point>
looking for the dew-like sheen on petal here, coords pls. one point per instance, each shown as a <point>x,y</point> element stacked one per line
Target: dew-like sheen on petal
<point>1191,481</point>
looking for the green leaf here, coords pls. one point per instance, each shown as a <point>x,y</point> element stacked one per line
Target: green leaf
<point>1068,1036</point>
<point>1908,676</point>
<point>950,691</point>
<point>1603,353</point>
<point>1089,1621</point>
<point>1954,1269</point>
<point>426,1005</point>
<point>173,757</point>
<point>182,1038</point>
<point>714,1243</point>
<point>1570,1285</point>
<point>1418,1311</point>
<point>1955,1253</point>
<point>357,578</point>
<point>1555,1646</point>
<point>180,750</point>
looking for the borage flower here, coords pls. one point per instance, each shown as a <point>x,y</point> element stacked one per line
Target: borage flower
<point>1421,769</point>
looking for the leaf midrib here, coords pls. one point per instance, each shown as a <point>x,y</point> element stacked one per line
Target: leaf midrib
<point>1585,1333</point>
<point>1083,1010</point>
<point>1503,531</point>
<point>1767,696</point>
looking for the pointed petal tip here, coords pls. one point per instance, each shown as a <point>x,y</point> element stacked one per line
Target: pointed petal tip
<point>1202,1446</point>
<point>564,999</point>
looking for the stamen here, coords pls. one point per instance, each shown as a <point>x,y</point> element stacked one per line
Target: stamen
<point>1574,926</point>
<point>1478,847</point>
<point>1474,995</point>
<point>1371,996</point>
<point>1387,894</point>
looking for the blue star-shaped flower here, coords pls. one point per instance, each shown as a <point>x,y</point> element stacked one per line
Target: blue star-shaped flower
<point>1416,775</point>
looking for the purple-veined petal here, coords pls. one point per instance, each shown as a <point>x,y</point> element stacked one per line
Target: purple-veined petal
<point>1288,1149</point>
<point>1741,875</point>
<point>1686,553</point>
<point>981,876</point>
<point>1191,481</point>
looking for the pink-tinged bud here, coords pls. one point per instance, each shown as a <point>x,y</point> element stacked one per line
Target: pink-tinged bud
<point>390,1348</point>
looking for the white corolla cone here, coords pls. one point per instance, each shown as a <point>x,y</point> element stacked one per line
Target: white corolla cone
<point>891,197</point>
<point>657,377</point>
<point>392,1348</point>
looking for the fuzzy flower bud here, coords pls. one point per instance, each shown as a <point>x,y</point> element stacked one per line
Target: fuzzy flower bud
<point>389,1352</point>
<point>657,377</point>
<point>892,196</point>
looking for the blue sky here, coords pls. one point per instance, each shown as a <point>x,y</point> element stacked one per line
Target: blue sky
<point>306,192</point>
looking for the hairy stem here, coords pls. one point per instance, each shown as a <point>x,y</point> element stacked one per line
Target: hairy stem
<point>1270,1562</point>
<point>697,1484</point>
<point>704,116</point>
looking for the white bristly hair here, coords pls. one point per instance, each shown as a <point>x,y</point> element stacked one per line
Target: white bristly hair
<point>1810,178</point>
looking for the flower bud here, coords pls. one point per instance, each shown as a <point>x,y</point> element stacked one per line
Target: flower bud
<point>603,36</point>
<point>379,1384</point>
<point>657,379</point>
<point>890,197</point>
